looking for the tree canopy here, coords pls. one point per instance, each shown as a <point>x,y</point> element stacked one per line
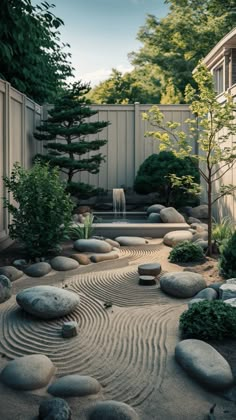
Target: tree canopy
<point>33,58</point>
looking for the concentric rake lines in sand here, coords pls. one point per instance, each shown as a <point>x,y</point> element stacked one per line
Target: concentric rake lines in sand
<point>139,254</point>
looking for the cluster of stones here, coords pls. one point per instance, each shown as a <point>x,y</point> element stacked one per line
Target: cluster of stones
<point>158,213</point>
<point>200,360</point>
<point>197,233</point>
<point>36,371</point>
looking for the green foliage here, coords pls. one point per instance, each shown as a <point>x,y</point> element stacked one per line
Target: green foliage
<point>222,232</point>
<point>173,45</point>
<point>65,134</point>
<point>33,59</point>
<point>186,252</point>
<point>209,320</point>
<point>227,261</point>
<point>43,210</point>
<point>156,175</point>
<point>83,230</point>
<point>212,126</point>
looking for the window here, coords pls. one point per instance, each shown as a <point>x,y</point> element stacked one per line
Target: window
<point>218,79</point>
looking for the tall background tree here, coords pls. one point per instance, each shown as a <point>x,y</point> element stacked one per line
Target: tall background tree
<point>32,57</point>
<point>65,133</point>
<point>170,49</point>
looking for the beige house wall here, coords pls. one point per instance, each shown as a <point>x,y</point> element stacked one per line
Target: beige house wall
<point>18,119</point>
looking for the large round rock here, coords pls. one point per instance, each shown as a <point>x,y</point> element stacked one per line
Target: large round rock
<point>47,302</point>
<point>92,245</point>
<point>54,409</point>
<point>182,284</point>
<point>131,240</point>
<point>170,215</point>
<point>177,237</point>
<point>155,208</point>
<point>112,410</point>
<point>74,386</point>
<point>205,364</point>
<point>38,270</point>
<point>5,288</point>
<point>28,372</point>
<point>64,263</point>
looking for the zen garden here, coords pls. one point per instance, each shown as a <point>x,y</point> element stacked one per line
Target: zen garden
<point>118,298</point>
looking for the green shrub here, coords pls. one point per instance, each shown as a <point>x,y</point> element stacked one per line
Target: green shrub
<point>185,252</point>
<point>209,320</point>
<point>222,232</point>
<point>83,230</point>
<point>42,210</point>
<point>227,261</point>
<point>154,175</point>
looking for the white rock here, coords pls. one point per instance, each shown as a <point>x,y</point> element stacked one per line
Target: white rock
<point>227,291</point>
<point>177,237</point>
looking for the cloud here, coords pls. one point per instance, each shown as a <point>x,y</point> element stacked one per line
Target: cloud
<point>102,74</point>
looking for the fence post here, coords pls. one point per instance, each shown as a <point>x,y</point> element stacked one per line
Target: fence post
<point>136,138</point>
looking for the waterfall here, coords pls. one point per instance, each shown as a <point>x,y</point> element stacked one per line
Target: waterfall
<point>119,205</point>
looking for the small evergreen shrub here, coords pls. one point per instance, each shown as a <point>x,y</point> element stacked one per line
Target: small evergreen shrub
<point>208,320</point>
<point>186,252</point>
<point>227,261</point>
<point>83,230</point>
<point>222,232</point>
<point>43,210</point>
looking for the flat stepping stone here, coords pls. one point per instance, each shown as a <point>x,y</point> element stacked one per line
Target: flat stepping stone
<point>39,269</point>
<point>177,237</point>
<point>150,269</point>
<point>147,280</point>
<point>182,284</point>
<point>47,302</point>
<point>92,245</point>
<point>203,363</point>
<point>112,410</point>
<point>5,288</point>
<point>69,329</point>
<point>54,409</point>
<point>12,273</point>
<point>131,240</point>
<point>64,264</point>
<point>28,372</point>
<point>74,386</point>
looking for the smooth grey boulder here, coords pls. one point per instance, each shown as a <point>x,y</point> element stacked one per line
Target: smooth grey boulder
<point>28,372</point>
<point>92,245</point>
<point>200,236</point>
<point>113,255</point>
<point>47,302</point>
<point>54,409</point>
<point>227,291</point>
<point>182,284</point>
<point>155,208</point>
<point>149,269</point>
<point>202,362</point>
<point>64,263</point>
<point>154,218</point>
<point>193,220</point>
<point>12,273</point>
<point>74,386</point>
<point>199,212</point>
<point>38,270</point>
<point>216,287</point>
<point>177,237</point>
<point>171,215</point>
<point>207,294</point>
<point>5,288</point>
<point>131,240</point>
<point>112,410</point>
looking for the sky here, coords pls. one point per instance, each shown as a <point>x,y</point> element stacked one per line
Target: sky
<point>102,33</point>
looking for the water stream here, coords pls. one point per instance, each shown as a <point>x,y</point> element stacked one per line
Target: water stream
<point>119,203</point>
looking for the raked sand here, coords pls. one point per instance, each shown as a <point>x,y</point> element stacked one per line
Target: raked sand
<point>128,348</point>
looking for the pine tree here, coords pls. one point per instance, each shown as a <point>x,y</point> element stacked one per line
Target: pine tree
<point>65,133</point>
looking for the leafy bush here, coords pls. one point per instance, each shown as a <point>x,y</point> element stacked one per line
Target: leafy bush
<point>83,230</point>
<point>209,320</point>
<point>154,175</point>
<point>43,210</point>
<point>185,252</point>
<point>227,261</point>
<point>222,232</point>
